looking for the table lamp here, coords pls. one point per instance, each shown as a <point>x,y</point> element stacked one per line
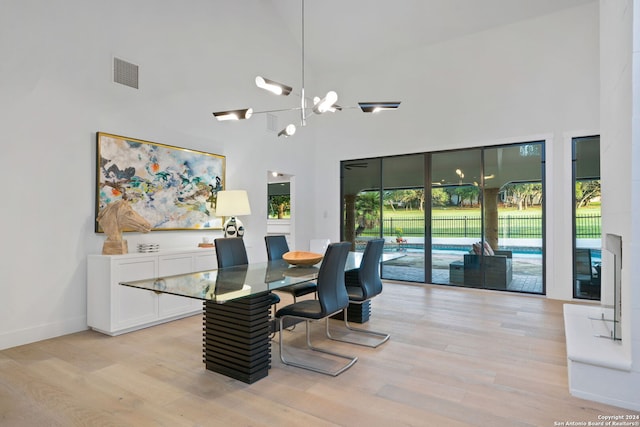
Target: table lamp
<point>231,204</point>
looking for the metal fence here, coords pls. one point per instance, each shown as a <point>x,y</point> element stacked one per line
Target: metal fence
<point>587,226</point>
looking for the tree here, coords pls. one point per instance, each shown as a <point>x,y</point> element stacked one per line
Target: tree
<point>279,206</point>
<point>466,192</point>
<point>412,198</point>
<point>440,197</point>
<point>524,194</point>
<point>368,208</point>
<point>586,191</point>
<point>391,198</point>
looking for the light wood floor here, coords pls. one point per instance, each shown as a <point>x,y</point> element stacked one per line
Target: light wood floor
<point>456,357</point>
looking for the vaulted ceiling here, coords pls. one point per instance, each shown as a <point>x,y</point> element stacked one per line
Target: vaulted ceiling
<point>341,33</point>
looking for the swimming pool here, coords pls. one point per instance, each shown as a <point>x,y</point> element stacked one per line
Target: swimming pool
<point>596,254</point>
<point>452,249</point>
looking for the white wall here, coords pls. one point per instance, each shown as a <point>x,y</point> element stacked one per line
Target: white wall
<point>616,141</point>
<point>56,92</point>
<point>630,281</point>
<point>604,370</point>
<point>620,148</point>
<point>536,79</point>
<point>533,79</point>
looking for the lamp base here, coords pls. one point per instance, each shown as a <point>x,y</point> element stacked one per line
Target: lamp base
<point>233,227</point>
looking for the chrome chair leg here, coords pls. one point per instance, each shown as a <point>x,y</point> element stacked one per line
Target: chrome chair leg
<point>385,337</point>
<point>351,359</point>
<point>292,327</point>
<point>295,300</point>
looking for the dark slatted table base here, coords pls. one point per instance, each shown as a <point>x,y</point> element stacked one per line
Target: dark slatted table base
<point>356,313</point>
<point>236,338</point>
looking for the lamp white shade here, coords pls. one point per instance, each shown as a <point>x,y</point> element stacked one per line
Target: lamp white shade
<point>232,203</point>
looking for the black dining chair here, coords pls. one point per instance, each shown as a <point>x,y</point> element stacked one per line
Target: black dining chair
<point>276,247</point>
<point>231,251</point>
<point>363,284</point>
<point>332,298</point>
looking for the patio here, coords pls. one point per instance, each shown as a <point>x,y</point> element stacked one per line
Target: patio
<point>527,270</point>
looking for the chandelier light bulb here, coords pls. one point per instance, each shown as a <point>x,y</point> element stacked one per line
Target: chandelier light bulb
<point>233,114</point>
<point>323,105</point>
<point>262,84</point>
<point>273,87</point>
<point>230,116</point>
<point>288,131</point>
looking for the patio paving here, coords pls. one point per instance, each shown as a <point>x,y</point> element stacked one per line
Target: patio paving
<point>527,271</point>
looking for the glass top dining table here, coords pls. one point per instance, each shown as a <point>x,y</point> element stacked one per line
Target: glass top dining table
<point>230,283</point>
<point>236,312</point>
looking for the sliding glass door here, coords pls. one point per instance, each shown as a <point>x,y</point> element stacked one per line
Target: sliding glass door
<point>385,198</point>
<point>471,217</point>
<point>514,217</point>
<point>487,217</point>
<point>361,201</point>
<point>403,217</point>
<point>456,217</point>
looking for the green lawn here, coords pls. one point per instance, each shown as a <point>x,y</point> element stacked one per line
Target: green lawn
<point>466,222</point>
<point>459,212</point>
<point>462,212</point>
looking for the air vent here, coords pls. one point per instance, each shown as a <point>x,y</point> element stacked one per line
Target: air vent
<point>125,73</point>
<point>272,122</point>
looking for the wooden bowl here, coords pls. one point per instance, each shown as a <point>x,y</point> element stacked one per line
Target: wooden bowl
<point>302,258</point>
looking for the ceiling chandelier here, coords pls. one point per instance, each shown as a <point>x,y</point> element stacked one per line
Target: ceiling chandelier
<point>318,105</point>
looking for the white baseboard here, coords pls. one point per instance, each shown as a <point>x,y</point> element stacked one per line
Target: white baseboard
<point>42,332</point>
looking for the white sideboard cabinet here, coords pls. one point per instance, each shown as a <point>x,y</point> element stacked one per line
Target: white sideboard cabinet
<point>114,309</point>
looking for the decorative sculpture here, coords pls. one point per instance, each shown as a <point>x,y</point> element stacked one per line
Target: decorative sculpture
<point>115,218</point>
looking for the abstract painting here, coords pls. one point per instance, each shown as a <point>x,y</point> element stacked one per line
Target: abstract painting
<point>173,188</point>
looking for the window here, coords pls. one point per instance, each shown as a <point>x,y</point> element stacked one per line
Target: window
<point>587,253</point>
